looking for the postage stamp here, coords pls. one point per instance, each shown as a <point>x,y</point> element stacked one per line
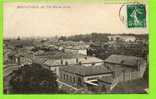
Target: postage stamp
<point>136,15</point>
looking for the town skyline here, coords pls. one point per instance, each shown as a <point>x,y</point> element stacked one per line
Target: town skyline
<point>58,36</point>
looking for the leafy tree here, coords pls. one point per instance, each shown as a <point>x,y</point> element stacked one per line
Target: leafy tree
<point>33,79</point>
<point>63,38</point>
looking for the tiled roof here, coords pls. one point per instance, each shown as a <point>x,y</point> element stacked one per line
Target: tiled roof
<point>90,59</point>
<point>123,68</point>
<point>58,55</point>
<point>85,70</point>
<point>125,60</point>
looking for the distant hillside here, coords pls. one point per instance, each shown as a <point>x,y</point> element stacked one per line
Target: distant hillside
<point>103,37</point>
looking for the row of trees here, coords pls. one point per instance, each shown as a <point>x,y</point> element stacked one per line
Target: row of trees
<point>87,37</point>
<point>102,37</point>
<point>103,51</point>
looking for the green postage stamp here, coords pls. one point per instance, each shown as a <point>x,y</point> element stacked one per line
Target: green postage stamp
<point>136,15</point>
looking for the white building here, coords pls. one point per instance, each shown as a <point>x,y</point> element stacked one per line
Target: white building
<point>124,38</point>
<point>54,64</point>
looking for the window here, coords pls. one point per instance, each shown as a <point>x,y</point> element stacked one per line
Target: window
<point>67,77</point>
<point>64,76</point>
<point>74,79</point>
<point>66,63</point>
<point>71,78</point>
<point>61,61</point>
<point>79,81</point>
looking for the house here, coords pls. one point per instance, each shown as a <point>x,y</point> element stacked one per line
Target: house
<point>74,47</point>
<point>124,68</point>
<point>54,59</point>
<point>103,78</point>
<point>76,50</point>
<point>19,57</point>
<point>122,37</point>
<point>12,58</point>
<point>54,64</point>
<point>80,76</point>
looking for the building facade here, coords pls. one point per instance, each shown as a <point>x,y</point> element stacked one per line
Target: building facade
<point>80,76</point>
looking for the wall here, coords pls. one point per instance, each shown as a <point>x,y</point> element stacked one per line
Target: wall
<point>77,51</point>
<point>82,51</point>
<point>94,77</point>
<point>70,78</point>
<point>127,75</point>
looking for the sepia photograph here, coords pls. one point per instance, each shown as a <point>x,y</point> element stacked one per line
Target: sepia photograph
<point>68,48</point>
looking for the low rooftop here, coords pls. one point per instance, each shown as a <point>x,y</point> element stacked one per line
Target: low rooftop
<point>58,55</point>
<point>86,70</point>
<point>125,60</point>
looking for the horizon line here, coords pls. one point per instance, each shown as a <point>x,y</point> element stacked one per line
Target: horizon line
<point>55,36</point>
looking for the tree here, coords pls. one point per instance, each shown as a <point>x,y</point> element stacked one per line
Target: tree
<point>63,38</point>
<point>33,79</point>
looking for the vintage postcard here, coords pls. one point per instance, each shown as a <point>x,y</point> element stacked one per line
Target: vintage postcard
<point>75,48</point>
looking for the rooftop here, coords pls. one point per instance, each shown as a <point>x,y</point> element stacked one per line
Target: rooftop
<point>125,60</point>
<point>58,55</point>
<point>86,70</point>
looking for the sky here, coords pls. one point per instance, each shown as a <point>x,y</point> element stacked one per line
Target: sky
<point>47,20</point>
